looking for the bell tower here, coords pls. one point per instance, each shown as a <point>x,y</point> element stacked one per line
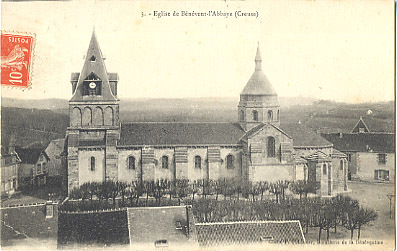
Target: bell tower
<point>258,100</point>
<point>94,121</point>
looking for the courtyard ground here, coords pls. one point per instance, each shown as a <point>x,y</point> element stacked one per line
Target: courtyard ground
<point>373,196</point>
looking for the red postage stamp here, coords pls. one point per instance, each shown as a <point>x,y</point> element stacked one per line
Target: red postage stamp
<point>16,59</point>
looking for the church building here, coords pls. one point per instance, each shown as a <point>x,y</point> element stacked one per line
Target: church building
<point>257,147</point>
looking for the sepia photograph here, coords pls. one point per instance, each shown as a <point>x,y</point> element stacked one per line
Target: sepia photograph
<point>197,125</point>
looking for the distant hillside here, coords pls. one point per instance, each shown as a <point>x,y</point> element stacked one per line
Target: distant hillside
<point>30,125</point>
<point>46,104</point>
<point>60,105</point>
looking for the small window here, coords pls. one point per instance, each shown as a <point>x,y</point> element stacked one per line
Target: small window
<point>44,165</point>
<point>242,116</point>
<point>178,225</point>
<point>197,162</point>
<point>131,163</point>
<point>164,162</point>
<point>341,165</point>
<point>161,243</point>
<point>271,147</point>
<point>270,115</point>
<point>92,163</point>
<point>325,169</point>
<point>382,158</point>
<point>255,115</point>
<point>278,115</point>
<point>93,58</point>
<point>349,157</point>
<point>38,168</point>
<point>230,162</point>
<point>381,174</point>
<point>266,238</point>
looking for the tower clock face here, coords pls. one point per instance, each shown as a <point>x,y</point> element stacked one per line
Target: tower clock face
<point>92,85</point>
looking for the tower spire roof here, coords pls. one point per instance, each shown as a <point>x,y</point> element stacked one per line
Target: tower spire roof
<point>94,66</point>
<point>258,60</point>
<point>258,84</point>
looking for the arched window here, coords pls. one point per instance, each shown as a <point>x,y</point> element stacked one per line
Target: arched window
<point>92,163</point>
<point>164,162</point>
<point>255,115</point>
<point>242,115</point>
<point>325,169</point>
<point>131,163</point>
<point>76,117</point>
<point>270,115</point>
<point>229,161</point>
<point>271,147</point>
<point>87,116</point>
<point>109,116</point>
<point>341,165</point>
<point>97,116</point>
<point>197,162</point>
<point>278,115</point>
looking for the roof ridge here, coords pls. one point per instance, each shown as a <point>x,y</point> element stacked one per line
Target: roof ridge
<point>177,122</point>
<point>244,221</point>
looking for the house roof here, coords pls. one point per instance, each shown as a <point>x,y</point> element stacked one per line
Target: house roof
<point>258,84</point>
<point>303,136</point>
<point>55,147</point>
<point>362,142</point>
<point>151,224</point>
<point>299,160</point>
<point>180,133</point>
<point>245,232</point>
<point>30,155</point>
<point>360,124</point>
<point>337,154</point>
<point>318,157</point>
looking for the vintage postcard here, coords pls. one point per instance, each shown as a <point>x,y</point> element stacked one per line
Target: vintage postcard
<point>201,125</point>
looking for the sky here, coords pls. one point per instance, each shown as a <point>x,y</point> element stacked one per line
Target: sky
<point>334,50</point>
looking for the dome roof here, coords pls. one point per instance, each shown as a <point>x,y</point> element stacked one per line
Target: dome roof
<point>258,84</point>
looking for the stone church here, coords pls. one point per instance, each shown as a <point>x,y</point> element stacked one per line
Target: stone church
<point>257,147</point>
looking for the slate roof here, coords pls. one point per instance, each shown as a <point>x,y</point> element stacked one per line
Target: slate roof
<point>30,155</point>
<point>318,157</point>
<point>358,142</point>
<point>299,160</point>
<point>211,133</point>
<point>97,67</point>
<point>303,136</point>
<point>258,84</point>
<point>150,224</point>
<point>245,232</point>
<point>180,133</point>
<point>338,154</point>
<point>257,128</point>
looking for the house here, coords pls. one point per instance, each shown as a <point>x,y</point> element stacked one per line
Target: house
<point>10,162</point>
<point>57,172</point>
<point>161,226</point>
<point>257,147</point>
<point>33,168</point>
<point>370,154</point>
<point>249,233</point>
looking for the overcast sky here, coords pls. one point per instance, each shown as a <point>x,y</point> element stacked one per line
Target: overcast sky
<point>337,50</point>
